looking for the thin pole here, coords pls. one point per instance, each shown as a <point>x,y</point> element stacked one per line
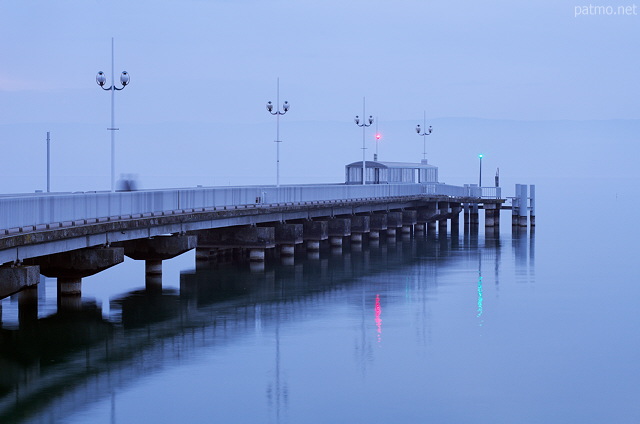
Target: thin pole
<point>480,178</point>
<point>363,145</point>
<point>278,133</point>
<point>424,135</point>
<point>48,163</point>
<point>113,122</point>
<point>376,157</point>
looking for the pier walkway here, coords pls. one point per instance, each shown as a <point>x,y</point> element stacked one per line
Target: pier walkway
<point>69,236</point>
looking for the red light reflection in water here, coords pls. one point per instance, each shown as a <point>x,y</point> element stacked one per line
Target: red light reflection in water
<point>378,319</point>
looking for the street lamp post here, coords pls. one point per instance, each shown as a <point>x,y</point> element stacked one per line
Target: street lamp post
<point>480,177</point>
<point>364,125</point>
<point>101,79</point>
<point>424,134</point>
<point>48,162</point>
<point>277,113</point>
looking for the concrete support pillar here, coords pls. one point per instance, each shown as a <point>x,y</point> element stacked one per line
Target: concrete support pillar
<point>442,226</point>
<point>71,267</point>
<point>287,250</point>
<point>427,213</point>
<point>378,223</point>
<point>313,245</point>
<point>360,224</point>
<point>467,214</point>
<point>69,293</point>
<point>515,208</point>
<point>287,236</point>
<point>443,215</point>
<point>474,215</point>
<point>409,219</point>
<point>69,286</point>
<point>14,279</point>
<point>157,249</point>
<point>489,214</point>
<point>532,212</point>
<point>253,239</point>
<point>522,204</point>
<point>153,267</point>
<point>338,229</point>
<point>394,219</point>
<point>455,222</point>
<point>335,241</point>
<point>256,255</point>
<point>153,275</point>
<point>313,232</point>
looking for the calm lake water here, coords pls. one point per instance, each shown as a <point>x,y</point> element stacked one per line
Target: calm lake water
<point>506,328</point>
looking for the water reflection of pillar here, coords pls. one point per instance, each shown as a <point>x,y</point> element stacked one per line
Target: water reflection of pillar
<point>362,347</point>
<point>69,293</point>
<point>113,407</point>
<point>277,391</point>
<point>492,244</point>
<point>472,241</point>
<point>532,253</point>
<point>519,246</point>
<point>455,237</point>
<point>28,306</point>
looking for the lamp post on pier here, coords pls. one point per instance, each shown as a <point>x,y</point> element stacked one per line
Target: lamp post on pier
<point>424,134</point>
<point>364,125</point>
<point>277,113</point>
<point>101,79</point>
<point>48,163</point>
<point>480,156</point>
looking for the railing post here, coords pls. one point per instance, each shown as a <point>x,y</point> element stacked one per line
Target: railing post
<point>522,209</point>
<point>532,213</point>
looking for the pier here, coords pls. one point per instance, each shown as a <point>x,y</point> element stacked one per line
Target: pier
<point>69,236</point>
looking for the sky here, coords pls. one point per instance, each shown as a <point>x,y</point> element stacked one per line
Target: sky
<point>202,71</point>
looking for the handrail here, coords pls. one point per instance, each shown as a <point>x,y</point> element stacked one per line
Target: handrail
<point>45,208</point>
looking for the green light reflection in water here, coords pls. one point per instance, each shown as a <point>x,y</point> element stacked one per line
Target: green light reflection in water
<point>479,297</point>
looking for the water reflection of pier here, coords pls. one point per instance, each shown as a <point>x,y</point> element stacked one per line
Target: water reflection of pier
<point>55,365</point>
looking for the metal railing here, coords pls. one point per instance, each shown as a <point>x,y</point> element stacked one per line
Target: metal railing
<point>41,209</point>
<point>491,192</point>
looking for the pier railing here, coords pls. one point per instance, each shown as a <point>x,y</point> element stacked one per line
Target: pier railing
<point>41,209</point>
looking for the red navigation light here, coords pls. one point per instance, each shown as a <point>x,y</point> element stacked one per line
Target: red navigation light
<point>378,136</point>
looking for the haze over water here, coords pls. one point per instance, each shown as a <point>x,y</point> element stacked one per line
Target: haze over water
<point>456,329</point>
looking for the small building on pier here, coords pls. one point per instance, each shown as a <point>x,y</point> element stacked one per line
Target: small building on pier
<point>391,172</point>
